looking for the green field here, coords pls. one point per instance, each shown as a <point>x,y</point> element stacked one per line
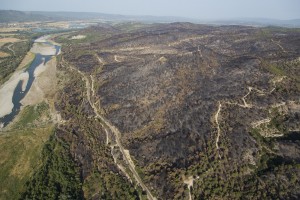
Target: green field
<point>20,149</point>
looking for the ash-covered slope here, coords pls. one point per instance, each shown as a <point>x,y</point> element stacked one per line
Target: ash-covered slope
<point>205,112</point>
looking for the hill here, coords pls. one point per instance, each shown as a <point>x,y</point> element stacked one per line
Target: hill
<point>7,16</point>
<point>185,111</point>
<point>20,16</point>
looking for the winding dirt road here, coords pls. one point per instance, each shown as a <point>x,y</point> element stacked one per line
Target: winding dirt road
<point>10,49</point>
<point>278,44</point>
<point>218,128</point>
<point>246,105</point>
<point>116,133</point>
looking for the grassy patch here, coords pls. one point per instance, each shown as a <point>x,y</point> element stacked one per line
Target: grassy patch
<point>26,63</point>
<point>58,177</point>
<point>32,115</point>
<point>20,149</point>
<point>276,70</point>
<point>20,152</point>
<point>9,64</point>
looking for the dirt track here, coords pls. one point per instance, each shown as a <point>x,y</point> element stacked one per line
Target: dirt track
<point>116,132</point>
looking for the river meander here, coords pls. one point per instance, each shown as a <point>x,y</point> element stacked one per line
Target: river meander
<point>22,87</point>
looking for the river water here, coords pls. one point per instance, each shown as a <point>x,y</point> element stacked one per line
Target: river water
<point>19,93</point>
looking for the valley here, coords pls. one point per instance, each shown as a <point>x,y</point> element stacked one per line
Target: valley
<point>134,110</point>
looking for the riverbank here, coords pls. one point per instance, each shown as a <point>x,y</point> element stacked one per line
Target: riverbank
<point>7,91</point>
<point>30,86</point>
<point>43,49</point>
<point>44,84</point>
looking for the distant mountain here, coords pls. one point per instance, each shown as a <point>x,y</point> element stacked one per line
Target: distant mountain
<point>294,23</point>
<point>7,16</point>
<point>20,16</point>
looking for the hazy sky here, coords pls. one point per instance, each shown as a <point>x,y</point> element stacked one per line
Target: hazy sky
<point>201,9</point>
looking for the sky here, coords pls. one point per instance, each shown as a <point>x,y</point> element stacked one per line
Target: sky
<point>198,9</point>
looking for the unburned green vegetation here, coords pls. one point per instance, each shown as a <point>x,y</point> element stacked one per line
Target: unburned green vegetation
<point>17,52</point>
<point>58,177</point>
<point>33,116</point>
<point>20,149</point>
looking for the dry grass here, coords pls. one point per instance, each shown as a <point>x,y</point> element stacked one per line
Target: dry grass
<point>3,54</point>
<point>58,24</point>
<point>27,60</point>
<point>20,152</point>
<point>7,40</point>
<point>20,149</point>
<point>6,30</point>
<point>7,34</point>
<point>31,142</point>
<point>3,41</point>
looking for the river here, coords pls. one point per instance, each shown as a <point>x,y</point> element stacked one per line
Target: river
<point>19,92</point>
